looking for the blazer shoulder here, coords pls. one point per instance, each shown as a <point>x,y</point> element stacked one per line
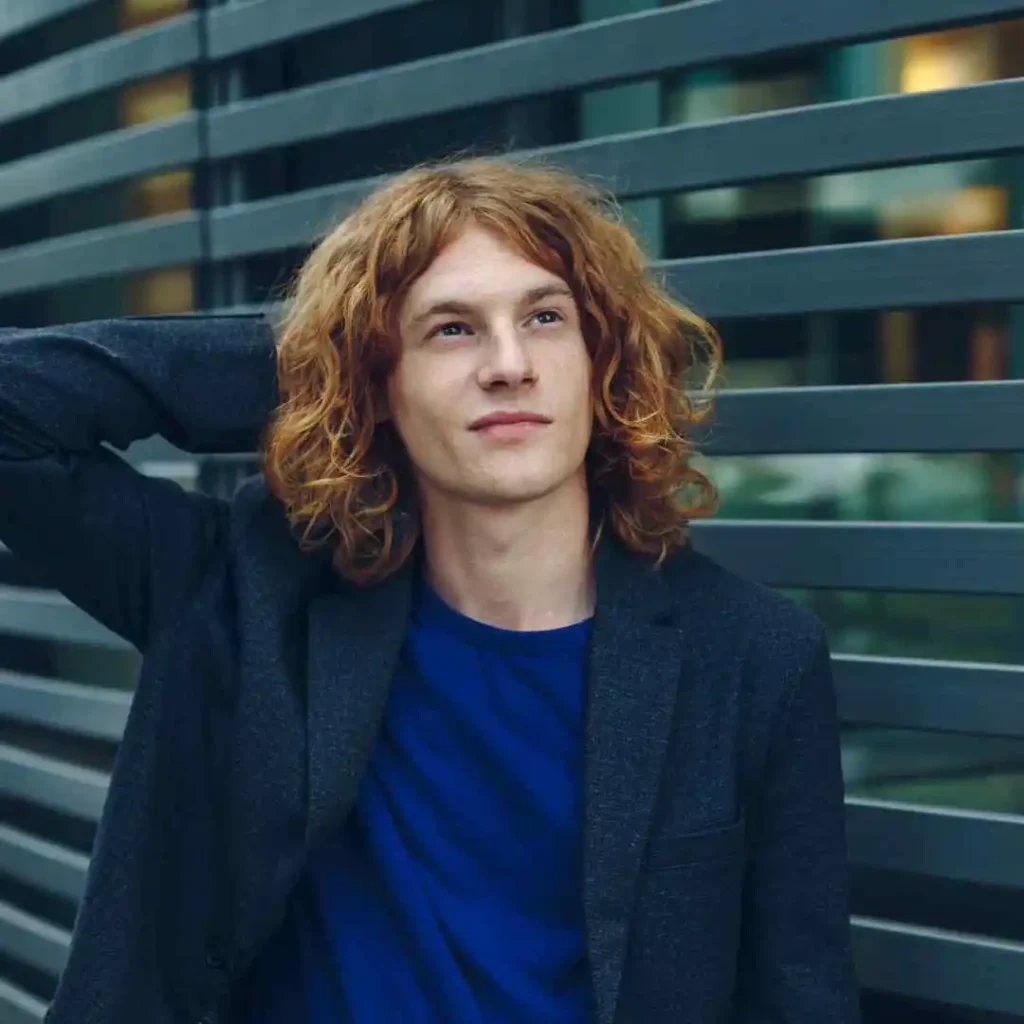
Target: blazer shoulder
<point>769,626</point>
<point>263,533</point>
<point>761,645</point>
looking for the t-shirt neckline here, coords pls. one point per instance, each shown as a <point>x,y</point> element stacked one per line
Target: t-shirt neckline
<point>431,609</point>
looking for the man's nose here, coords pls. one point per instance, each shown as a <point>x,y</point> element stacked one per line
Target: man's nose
<point>506,359</point>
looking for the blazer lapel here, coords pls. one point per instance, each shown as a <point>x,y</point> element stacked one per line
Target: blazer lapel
<point>636,661</point>
<point>355,637</point>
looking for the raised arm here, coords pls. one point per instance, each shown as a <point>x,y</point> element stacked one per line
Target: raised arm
<point>124,547</point>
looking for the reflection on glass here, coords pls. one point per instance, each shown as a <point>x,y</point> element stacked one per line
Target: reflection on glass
<point>979,773</point>
<point>952,627</point>
<point>900,487</point>
<point>889,204</point>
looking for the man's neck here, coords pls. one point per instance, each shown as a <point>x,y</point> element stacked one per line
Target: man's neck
<point>525,567</point>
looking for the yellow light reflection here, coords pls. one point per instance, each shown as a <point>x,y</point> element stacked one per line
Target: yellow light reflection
<point>157,99</point>
<point>136,13</point>
<point>970,209</point>
<point>162,292</point>
<point>169,290</point>
<point>946,60</point>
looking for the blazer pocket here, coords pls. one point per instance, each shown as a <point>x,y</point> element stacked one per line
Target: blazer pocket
<point>721,843</point>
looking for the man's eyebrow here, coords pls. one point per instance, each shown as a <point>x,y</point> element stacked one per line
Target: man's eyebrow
<point>457,307</point>
<point>446,306</point>
<point>546,291</point>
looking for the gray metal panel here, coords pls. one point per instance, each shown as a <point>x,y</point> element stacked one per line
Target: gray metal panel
<point>960,417</point>
<point>633,46</point>
<point>51,783</point>
<point>155,449</point>
<point>865,275</point>
<point>235,29</point>
<point>104,158</point>
<point>826,20</point>
<point>974,558</point>
<point>281,222</point>
<point>66,707</point>
<point>123,58</point>
<point>850,135</point>
<point>947,696</point>
<point>120,249</point>
<point>584,55</point>
<point>271,310</point>
<point>17,1007</point>
<point>947,967</point>
<point>966,846</point>
<point>887,131</point>
<point>19,15</point>
<point>49,616</point>
<point>32,941</point>
<point>42,865</point>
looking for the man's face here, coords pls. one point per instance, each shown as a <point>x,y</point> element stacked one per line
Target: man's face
<point>491,394</point>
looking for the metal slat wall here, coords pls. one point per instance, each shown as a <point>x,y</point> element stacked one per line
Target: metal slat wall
<point>18,15</point>
<point>973,847</point>
<point>965,971</point>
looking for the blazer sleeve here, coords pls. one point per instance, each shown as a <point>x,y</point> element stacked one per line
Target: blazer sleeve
<point>124,547</point>
<point>796,964</point>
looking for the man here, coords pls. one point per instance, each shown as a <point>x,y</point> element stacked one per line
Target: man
<point>441,718</point>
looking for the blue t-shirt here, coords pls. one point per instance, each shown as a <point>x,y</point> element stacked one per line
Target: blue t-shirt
<point>454,892</point>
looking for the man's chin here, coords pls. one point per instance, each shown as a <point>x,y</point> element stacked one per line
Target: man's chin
<point>511,493</point>
<point>503,486</point>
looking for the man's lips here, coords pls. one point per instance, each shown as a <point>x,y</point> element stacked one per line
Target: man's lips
<point>502,419</point>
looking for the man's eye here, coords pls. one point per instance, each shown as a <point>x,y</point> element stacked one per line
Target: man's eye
<point>451,330</point>
<point>553,315</point>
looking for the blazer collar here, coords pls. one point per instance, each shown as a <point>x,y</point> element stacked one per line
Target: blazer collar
<point>637,657</point>
<point>355,637</point>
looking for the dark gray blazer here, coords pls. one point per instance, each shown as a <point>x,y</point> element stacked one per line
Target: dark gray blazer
<point>714,854</point>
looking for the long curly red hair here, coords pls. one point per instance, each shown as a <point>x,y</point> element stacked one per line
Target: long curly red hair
<point>341,472</point>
